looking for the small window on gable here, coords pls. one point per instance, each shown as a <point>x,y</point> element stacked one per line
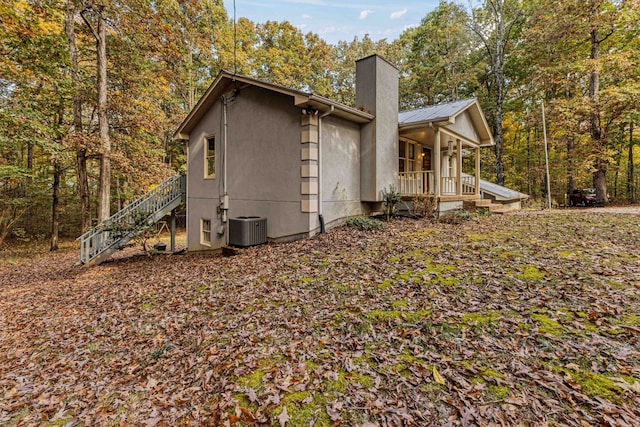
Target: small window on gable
<point>205,231</point>
<point>210,157</point>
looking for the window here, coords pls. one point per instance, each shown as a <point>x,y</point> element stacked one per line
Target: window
<point>407,156</point>
<point>210,157</point>
<point>411,158</point>
<point>205,233</point>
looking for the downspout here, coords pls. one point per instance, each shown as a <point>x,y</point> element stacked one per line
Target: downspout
<point>225,196</point>
<point>320,217</point>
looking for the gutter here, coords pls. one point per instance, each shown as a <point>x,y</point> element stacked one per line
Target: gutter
<point>320,144</point>
<point>318,102</point>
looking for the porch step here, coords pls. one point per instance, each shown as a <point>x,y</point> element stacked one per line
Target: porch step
<point>495,208</point>
<point>483,203</point>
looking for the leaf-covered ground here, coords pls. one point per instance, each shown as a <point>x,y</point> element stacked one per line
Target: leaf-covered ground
<point>526,319</point>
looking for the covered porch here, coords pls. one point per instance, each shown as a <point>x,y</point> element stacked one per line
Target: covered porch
<point>439,151</point>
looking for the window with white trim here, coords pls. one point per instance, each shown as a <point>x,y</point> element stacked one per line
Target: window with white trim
<point>411,157</point>
<point>407,153</point>
<point>205,231</point>
<point>210,157</point>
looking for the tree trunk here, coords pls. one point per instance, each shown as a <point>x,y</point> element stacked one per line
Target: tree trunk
<point>81,151</point>
<point>29,156</point>
<point>618,159</point>
<point>499,71</point>
<point>58,173</point>
<point>529,177</point>
<point>104,184</point>
<point>503,19</point>
<point>631,187</point>
<point>55,212</point>
<point>118,195</point>
<point>499,141</point>
<point>571,168</point>
<point>83,186</point>
<point>597,137</point>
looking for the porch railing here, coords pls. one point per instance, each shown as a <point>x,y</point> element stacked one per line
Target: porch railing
<point>416,183</point>
<point>450,185</point>
<point>100,242</point>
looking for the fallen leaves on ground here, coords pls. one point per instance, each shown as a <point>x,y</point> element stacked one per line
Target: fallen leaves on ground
<point>523,319</point>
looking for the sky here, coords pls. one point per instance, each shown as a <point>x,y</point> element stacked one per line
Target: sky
<point>338,20</point>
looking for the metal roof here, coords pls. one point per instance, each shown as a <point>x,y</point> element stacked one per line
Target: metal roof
<point>434,113</point>
<point>498,191</point>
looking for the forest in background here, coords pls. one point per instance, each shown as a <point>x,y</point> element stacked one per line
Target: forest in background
<point>91,92</point>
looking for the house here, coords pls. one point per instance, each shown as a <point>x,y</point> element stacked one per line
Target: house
<point>305,162</point>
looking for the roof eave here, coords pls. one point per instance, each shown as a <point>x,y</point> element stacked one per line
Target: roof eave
<point>439,121</point>
<point>301,99</point>
<point>179,136</point>
<point>324,105</point>
<point>182,133</point>
<point>474,109</point>
<point>487,143</point>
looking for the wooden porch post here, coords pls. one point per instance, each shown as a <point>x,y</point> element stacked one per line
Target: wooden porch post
<point>437,162</point>
<point>459,167</point>
<point>173,231</point>
<point>477,177</point>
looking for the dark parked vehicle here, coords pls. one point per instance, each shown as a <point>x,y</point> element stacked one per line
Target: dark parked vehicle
<point>584,197</point>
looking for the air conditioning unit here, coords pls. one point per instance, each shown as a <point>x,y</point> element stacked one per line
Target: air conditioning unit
<point>247,231</point>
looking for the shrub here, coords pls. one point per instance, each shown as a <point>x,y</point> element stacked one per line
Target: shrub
<point>423,206</point>
<point>455,217</point>
<point>391,199</point>
<point>364,223</point>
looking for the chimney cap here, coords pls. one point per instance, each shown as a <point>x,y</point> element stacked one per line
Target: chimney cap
<point>377,56</point>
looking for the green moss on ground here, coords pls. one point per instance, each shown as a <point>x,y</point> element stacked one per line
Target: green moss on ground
<point>567,254</point>
<point>308,406</point>
<point>364,380</point>
<point>630,320</point>
<point>386,284</point>
<point>548,325</point>
<point>253,380</point>
<point>530,273</point>
<point>594,384</point>
<point>399,304</point>
<point>408,316</point>
<point>480,318</point>
<point>499,392</point>
<point>17,417</point>
<point>304,407</point>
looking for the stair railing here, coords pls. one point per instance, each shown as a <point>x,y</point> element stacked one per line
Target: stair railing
<point>132,219</point>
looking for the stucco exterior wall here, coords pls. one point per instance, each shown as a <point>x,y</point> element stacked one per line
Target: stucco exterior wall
<point>340,164</point>
<point>203,194</point>
<point>263,166</point>
<point>377,93</point>
<point>264,161</point>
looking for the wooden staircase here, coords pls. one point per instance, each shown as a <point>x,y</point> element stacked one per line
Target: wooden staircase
<point>100,242</point>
